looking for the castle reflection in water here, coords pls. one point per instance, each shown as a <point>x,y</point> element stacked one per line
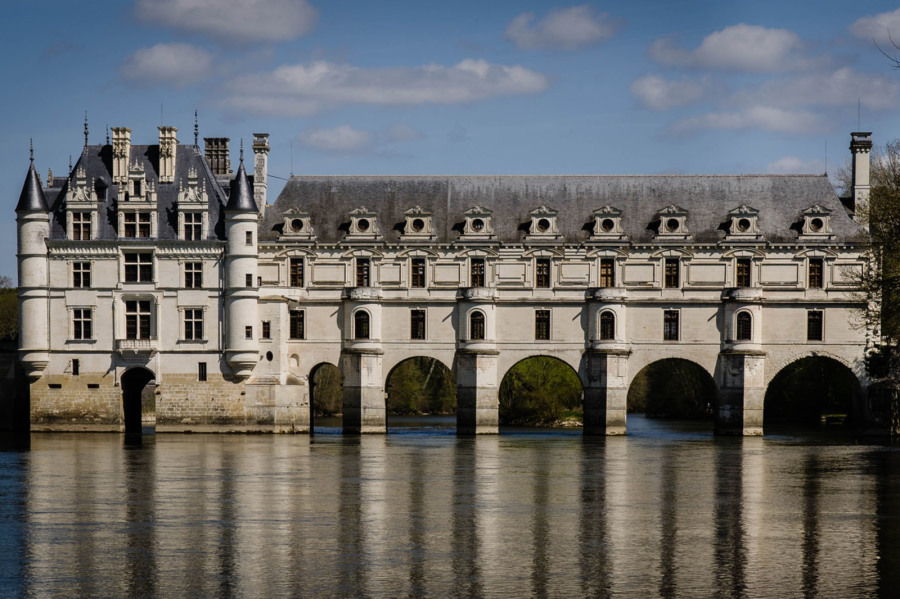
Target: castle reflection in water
<point>666,512</point>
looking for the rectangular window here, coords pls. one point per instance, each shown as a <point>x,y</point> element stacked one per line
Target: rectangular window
<point>298,324</point>
<point>81,226</point>
<point>476,278</point>
<point>815,273</point>
<point>248,238</point>
<point>76,367</point>
<point>137,224</point>
<point>193,275</point>
<point>81,274</point>
<point>814,325</point>
<point>417,272</point>
<point>138,267</point>
<point>248,280</point>
<point>542,272</point>
<point>193,324</point>
<point>266,329</point>
<point>193,226</point>
<point>417,324</point>
<point>201,372</point>
<point>742,278</point>
<point>672,278</point>
<point>81,318</point>
<point>296,272</point>
<point>542,325</point>
<point>670,325</point>
<point>137,319</point>
<point>362,272</point>
<point>248,332</point>
<point>607,272</point>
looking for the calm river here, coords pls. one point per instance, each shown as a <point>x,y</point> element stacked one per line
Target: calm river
<point>667,511</point>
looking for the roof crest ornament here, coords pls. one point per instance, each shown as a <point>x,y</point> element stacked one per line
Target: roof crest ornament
<point>107,135</point>
<point>196,128</point>
<point>31,149</point>
<point>85,130</point>
<point>242,150</point>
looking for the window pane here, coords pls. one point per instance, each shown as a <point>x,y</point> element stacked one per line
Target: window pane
<point>296,272</point>
<point>542,324</point>
<point>744,327</point>
<point>417,324</point>
<point>743,272</point>
<point>361,325</point>
<point>477,274</point>
<point>670,325</point>
<point>815,273</point>
<point>417,268</point>
<point>672,272</point>
<point>814,325</point>
<point>607,326</point>
<point>476,326</point>
<point>607,272</point>
<point>542,276</point>
<point>362,272</point>
<point>298,325</point>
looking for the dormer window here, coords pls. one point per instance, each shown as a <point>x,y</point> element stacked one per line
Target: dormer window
<point>81,207</point>
<point>297,225</point>
<point>816,222</point>
<point>418,224</point>
<point>673,222</point>
<point>478,223</point>
<point>193,207</point>
<point>744,222</point>
<point>363,224</point>
<point>543,224</point>
<point>607,223</point>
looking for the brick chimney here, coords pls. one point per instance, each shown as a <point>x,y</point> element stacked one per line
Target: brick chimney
<point>216,152</point>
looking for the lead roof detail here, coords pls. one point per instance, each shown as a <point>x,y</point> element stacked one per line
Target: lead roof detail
<point>32,197</point>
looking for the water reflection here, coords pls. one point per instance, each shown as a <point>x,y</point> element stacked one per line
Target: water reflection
<point>675,514</point>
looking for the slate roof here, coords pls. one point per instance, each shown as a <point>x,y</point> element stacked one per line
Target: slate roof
<point>32,196</point>
<point>97,163</point>
<point>241,198</point>
<point>707,198</point>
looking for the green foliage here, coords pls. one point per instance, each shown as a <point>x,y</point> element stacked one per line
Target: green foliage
<point>539,390</point>
<point>327,393</point>
<point>808,389</point>
<point>672,388</point>
<point>421,386</point>
<point>9,310</point>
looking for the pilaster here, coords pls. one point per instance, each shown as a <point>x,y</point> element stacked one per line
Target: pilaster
<point>477,392</point>
<point>742,394</point>
<point>365,408</point>
<point>605,392</point>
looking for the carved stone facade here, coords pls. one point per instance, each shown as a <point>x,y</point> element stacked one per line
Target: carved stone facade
<point>742,275</point>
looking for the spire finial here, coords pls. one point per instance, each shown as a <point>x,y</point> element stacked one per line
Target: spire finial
<point>31,149</point>
<point>242,150</point>
<point>70,165</point>
<point>85,130</point>
<point>196,128</point>
<point>107,135</point>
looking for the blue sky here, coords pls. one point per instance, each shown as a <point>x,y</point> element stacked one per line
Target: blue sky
<point>402,87</point>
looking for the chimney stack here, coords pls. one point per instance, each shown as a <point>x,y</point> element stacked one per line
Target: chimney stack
<point>216,152</point>
<point>168,146</point>
<point>260,168</point>
<point>121,150</point>
<point>861,149</point>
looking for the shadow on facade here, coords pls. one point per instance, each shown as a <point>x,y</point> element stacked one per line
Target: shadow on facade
<point>815,391</point>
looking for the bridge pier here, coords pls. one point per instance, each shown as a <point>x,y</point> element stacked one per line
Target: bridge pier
<point>605,392</point>
<point>363,398</point>
<point>741,394</point>
<point>477,392</point>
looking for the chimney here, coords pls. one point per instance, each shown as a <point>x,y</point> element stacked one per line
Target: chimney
<point>260,167</point>
<point>860,148</point>
<point>168,146</point>
<point>216,152</point>
<point>121,149</point>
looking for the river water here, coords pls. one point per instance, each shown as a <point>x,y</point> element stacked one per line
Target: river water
<point>666,511</point>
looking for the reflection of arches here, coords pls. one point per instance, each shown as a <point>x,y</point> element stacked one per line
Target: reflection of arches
<point>325,392</point>
<point>743,326</point>
<point>420,384</point>
<point>607,325</point>
<point>540,389</point>
<point>134,382</point>
<point>476,325</point>
<point>673,388</point>
<point>811,390</point>
<point>361,324</point>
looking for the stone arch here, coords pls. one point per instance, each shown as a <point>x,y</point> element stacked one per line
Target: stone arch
<point>138,398</point>
<point>706,358</point>
<point>778,362</point>
<point>325,394</point>
<point>673,387</point>
<point>429,379</point>
<point>811,389</point>
<point>567,380</point>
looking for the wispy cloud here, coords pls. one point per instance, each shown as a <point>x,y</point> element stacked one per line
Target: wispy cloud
<point>843,87</point>
<point>768,118</point>
<point>747,48</point>
<point>305,89</point>
<point>656,93</point>
<point>562,29</point>
<point>402,132</point>
<point>881,28</point>
<point>232,20</point>
<point>339,139</point>
<point>792,165</point>
<point>174,64</point>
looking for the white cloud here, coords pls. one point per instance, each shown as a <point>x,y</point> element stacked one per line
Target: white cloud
<point>793,165</point>
<point>657,93</point>
<point>843,87</point>
<point>742,47</point>
<point>339,139</point>
<point>402,132</point>
<point>305,89</point>
<point>768,118</point>
<point>233,20</point>
<point>562,29</point>
<point>176,64</point>
<point>881,28</point>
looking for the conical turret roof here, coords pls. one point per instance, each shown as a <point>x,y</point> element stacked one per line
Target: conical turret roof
<point>32,197</point>
<point>241,198</point>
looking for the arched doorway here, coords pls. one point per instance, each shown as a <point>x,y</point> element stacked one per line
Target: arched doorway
<point>673,388</point>
<point>325,396</point>
<point>138,399</point>
<point>811,392</point>
<point>421,386</point>
<point>541,390</point>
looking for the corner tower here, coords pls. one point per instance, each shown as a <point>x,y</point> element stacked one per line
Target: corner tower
<point>33,228</point>
<point>241,290</point>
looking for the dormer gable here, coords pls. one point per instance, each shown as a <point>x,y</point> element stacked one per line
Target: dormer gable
<point>477,223</point>
<point>194,193</point>
<point>543,224</point>
<point>81,193</point>
<point>607,223</point>
<point>816,222</point>
<point>363,224</point>
<point>297,225</point>
<point>673,223</point>
<point>744,223</point>
<point>137,187</point>
<point>418,225</point>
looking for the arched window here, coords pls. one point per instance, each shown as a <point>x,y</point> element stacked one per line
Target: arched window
<point>476,325</point>
<point>361,325</point>
<point>744,327</point>
<point>607,326</point>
